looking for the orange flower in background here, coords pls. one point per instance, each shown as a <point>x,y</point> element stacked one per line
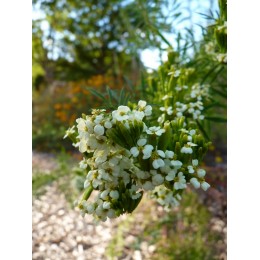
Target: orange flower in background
<point>63,102</point>
<point>67,106</point>
<point>57,106</point>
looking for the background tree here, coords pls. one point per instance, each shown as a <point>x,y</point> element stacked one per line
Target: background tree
<point>86,38</point>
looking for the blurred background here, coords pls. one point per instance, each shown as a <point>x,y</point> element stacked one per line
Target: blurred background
<point>81,46</point>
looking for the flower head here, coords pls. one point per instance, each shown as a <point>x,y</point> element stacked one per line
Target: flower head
<point>143,107</point>
<point>121,113</point>
<point>180,181</point>
<point>155,130</point>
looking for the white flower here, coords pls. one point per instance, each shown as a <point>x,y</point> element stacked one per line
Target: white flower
<point>177,73</point>
<point>86,183</point>
<point>113,161</point>
<point>192,132</point>
<point>140,146</point>
<point>83,164</point>
<point>201,173</point>
<point>205,185</point>
<point>168,110</point>
<point>157,179</point>
<point>99,210</point>
<point>121,113</point>
<point>135,196</point>
<point>161,119</point>
<point>190,169</point>
<point>106,205</point>
<point>90,126</point>
<point>176,164</point>
<point>146,109</point>
<point>148,185</point>
<point>147,151</point>
<point>98,119</point>
<point>195,183</point>
<point>82,146</point>
<point>169,154</point>
<point>167,166</point>
<point>189,138</point>
<point>191,144</point>
<point>108,124</point>
<point>104,194</point>
<point>195,162</point>
<point>184,131</point>
<point>137,115</point>
<point>90,208</point>
<point>99,130</point>
<point>179,114</point>
<point>69,132</point>
<point>111,213</point>
<point>81,125</point>
<point>182,107</point>
<point>142,103</point>
<point>171,175</point>
<point>157,163</point>
<point>114,194</point>
<point>180,182</point>
<point>186,150</point>
<point>221,57</point>
<point>209,47</point>
<point>155,130</point>
<point>100,156</point>
<point>191,110</point>
<point>97,142</point>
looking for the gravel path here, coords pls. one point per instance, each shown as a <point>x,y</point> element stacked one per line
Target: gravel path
<point>60,233</point>
<point>43,162</point>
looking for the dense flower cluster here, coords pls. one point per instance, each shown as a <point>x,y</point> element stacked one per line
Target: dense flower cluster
<point>191,107</point>
<point>210,48</point>
<point>127,152</point>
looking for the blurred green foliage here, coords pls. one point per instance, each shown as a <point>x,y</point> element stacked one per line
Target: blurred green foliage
<point>85,44</point>
<point>86,38</point>
<point>66,175</point>
<point>78,46</point>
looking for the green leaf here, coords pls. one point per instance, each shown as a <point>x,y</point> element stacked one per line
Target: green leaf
<point>112,95</point>
<point>220,93</point>
<point>201,128</point>
<point>96,93</point>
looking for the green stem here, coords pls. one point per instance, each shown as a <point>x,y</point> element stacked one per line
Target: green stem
<point>86,194</point>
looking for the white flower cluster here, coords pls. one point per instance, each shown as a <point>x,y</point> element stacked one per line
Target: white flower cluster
<point>193,103</point>
<point>166,197</point>
<point>221,57</point>
<point>210,47</point>
<point>124,157</point>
